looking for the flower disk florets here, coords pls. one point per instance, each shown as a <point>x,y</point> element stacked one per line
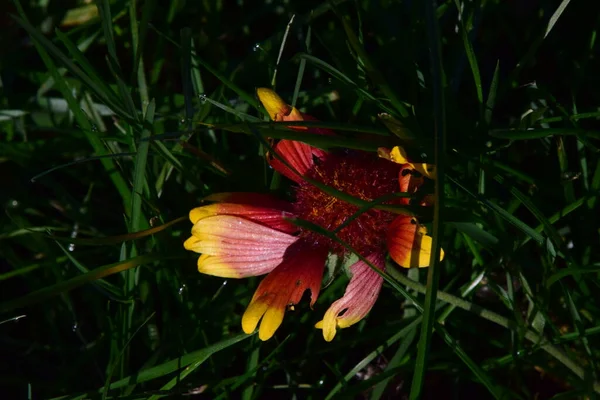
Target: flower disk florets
<point>360,175</point>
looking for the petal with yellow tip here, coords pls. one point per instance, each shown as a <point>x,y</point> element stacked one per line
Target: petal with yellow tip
<point>238,266</point>
<point>408,243</point>
<point>301,270</point>
<point>235,236</point>
<point>360,296</point>
<point>273,218</point>
<point>399,156</point>
<point>277,109</point>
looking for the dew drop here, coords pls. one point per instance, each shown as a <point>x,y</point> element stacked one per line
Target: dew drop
<point>202,98</point>
<point>75,327</point>
<point>182,289</point>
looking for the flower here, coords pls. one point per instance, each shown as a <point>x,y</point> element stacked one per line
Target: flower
<point>249,234</point>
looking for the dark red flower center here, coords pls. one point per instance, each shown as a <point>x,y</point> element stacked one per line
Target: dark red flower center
<point>360,175</point>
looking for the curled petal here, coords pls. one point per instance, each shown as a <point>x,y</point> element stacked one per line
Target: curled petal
<point>408,183</point>
<point>271,217</point>
<point>301,270</point>
<point>360,296</point>
<point>241,247</point>
<point>408,243</point>
<point>278,109</point>
<point>398,155</point>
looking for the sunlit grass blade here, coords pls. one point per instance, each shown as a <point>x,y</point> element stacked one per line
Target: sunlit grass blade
<point>118,239</point>
<point>70,284</point>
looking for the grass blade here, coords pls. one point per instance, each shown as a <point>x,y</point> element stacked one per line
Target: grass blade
<point>433,275</point>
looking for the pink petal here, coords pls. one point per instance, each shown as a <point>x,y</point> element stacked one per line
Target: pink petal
<point>360,296</point>
<point>241,247</point>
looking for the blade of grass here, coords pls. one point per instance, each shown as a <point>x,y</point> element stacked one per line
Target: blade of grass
<point>283,41</point>
<point>70,284</point>
<point>471,57</point>
<point>375,75</point>
<point>371,356</point>
<point>172,365</point>
<point>301,68</point>
<point>41,44</point>
<point>433,275</point>
<point>138,37</point>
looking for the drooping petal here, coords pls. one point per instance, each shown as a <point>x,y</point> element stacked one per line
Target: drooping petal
<point>301,270</point>
<point>360,296</point>
<point>408,243</point>
<point>238,246</point>
<point>271,217</point>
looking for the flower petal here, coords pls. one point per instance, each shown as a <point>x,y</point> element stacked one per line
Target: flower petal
<point>241,247</point>
<point>360,296</point>
<point>251,199</point>
<point>277,109</point>
<point>408,243</point>
<point>238,266</point>
<point>408,183</point>
<point>273,218</point>
<point>398,155</point>
<point>301,270</point>
<point>297,154</point>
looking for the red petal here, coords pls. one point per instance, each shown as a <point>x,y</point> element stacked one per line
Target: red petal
<point>408,182</point>
<point>273,218</point>
<point>301,270</point>
<point>252,199</point>
<point>297,154</point>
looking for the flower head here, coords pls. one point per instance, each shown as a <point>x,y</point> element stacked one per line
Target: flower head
<point>250,234</point>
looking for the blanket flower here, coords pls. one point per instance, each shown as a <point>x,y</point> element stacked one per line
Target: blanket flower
<point>248,234</point>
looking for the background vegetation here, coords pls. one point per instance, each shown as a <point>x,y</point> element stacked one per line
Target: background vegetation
<point>117,117</point>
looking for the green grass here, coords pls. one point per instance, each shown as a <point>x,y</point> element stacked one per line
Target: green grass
<point>115,125</point>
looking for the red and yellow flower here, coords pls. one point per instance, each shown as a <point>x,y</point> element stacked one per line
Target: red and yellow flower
<point>249,234</point>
